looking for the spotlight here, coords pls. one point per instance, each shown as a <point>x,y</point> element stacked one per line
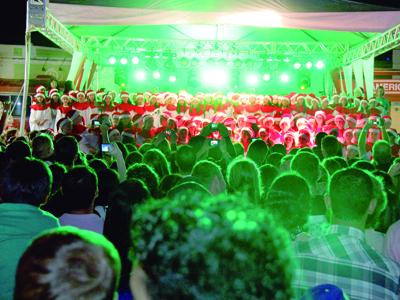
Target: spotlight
<point>214,77</point>
<point>156,75</point>
<point>135,60</point>
<point>297,65</point>
<point>252,79</point>
<point>319,64</point>
<point>267,77</point>
<point>112,60</point>
<point>123,61</point>
<point>284,77</point>
<point>172,78</point>
<point>309,65</point>
<point>140,75</point>
<point>286,60</point>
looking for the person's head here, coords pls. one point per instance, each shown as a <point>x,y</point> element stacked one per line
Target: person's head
<point>382,154</point>
<point>18,150</point>
<point>66,150</point>
<point>307,165</point>
<point>274,158</point>
<point>168,182</point>
<point>351,195</point>
<point>208,235</point>
<point>146,173</point>
<point>133,157</point>
<point>79,187</point>
<point>209,174</point>
<point>331,165</point>
<point>243,177</point>
<point>363,165</point>
<point>330,146</point>
<point>188,189</point>
<point>26,181</point>
<point>156,159</point>
<point>289,195</point>
<point>268,173</point>
<point>185,159</point>
<point>42,147</point>
<point>278,148</point>
<point>68,263</point>
<point>257,152</point>
<point>108,180</point>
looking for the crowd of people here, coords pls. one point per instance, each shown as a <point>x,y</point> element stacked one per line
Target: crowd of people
<point>206,196</point>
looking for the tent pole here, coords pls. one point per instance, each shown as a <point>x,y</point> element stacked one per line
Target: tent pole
<point>26,73</point>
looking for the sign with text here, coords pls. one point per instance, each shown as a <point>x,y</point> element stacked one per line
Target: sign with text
<point>37,13</point>
<point>391,86</point>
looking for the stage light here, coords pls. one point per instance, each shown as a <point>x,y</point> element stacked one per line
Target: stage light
<point>135,60</point>
<point>286,60</point>
<point>156,75</point>
<point>319,64</point>
<point>140,75</point>
<point>123,85</point>
<point>284,77</point>
<point>172,78</point>
<point>267,77</point>
<point>112,60</point>
<point>309,65</point>
<point>252,79</point>
<point>297,65</point>
<point>123,61</point>
<point>214,77</point>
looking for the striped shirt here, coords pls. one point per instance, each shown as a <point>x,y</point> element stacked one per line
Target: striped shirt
<point>343,258</point>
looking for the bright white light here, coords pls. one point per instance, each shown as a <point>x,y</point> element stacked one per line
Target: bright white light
<point>309,65</point>
<point>266,77</point>
<point>135,60</point>
<point>156,75</point>
<point>286,59</point>
<point>319,64</point>
<point>297,65</point>
<point>284,77</point>
<point>140,75</point>
<point>214,77</point>
<point>123,61</point>
<point>252,79</point>
<point>172,78</point>
<point>112,60</point>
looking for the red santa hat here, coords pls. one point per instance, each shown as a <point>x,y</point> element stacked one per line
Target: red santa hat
<point>113,131</point>
<point>166,114</point>
<point>124,94</point>
<point>65,96</point>
<point>351,118</point>
<point>249,130</point>
<point>62,122</point>
<point>128,133</point>
<point>100,93</point>
<point>39,94</point>
<point>229,121</point>
<point>73,114</point>
<point>72,95</point>
<point>40,89</point>
<point>340,117</point>
<point>80,93</point>
<point>320,113</point>
<point>116,114</point>
<point>93,116</point>
<point>53,92</point>
<point>251,119</point>
<point>89,92</point>
<point>125,114</point>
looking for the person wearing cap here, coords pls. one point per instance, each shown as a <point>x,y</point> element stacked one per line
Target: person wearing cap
<point>342,256</point>
<point>138,105</point>
<point>40,117</point>
<point>55,102</point>
<point>91,99</point>
<point>152,104</point>
<point>107,105</point>
<point>83,106</point>
<point>63,127</point>
<point>126,104</point>
<point>63,109</point>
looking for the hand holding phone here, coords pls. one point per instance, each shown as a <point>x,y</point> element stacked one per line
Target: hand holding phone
<point>106,148</point>
<point>95,123</point>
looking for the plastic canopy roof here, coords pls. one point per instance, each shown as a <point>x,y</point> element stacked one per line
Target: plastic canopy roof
<point>349,23</point>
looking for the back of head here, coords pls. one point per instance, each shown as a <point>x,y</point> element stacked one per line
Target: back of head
<point>279,148</point>
<point>108,181</point>
<point>221,236</point>
<point>133,157</point>
<point>243,176</point>
<point>18,150</point>
<point>331,146</point>
<point>331,165</point>
<point>382,155</point>
<point>168,182</point>
<point>98,165</point>
<point>257,151</point>
<point>274,158</point>
<point>79,188</point>
<point>350,191</point>
<point>268,174</point>
<point>239,149</point>
<point>145,147</point>
<point>307,165</point>
<point>26,181</point>
<point>210,175</point>
<point>319,137</point>
<point>68,263</point>
<point>189,189</point>
<point>66,150</point>
<point>147,174</point>
<point>42,147</point>
<point>156,159</point>
<point>363,165</point>
<point>185,158</point>
<point>289,195</point>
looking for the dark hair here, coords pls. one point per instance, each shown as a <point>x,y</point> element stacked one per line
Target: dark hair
<point>363,165</point>
<point>42,146</point>
<point>220,236</point>
<point>307,165</point>
<point>133,157</point>
<point>147,174</point>
<point>27,181</point>
<point>18,150</point>
<point>331,165</point>
<point>278,148</point>
<point>188,189</point>
<point>156,159</point>
<point>257,151</point>
<point>145,147</point>
<point>289,195</point>
<point>68,263</point>
<point>66,150</point>
<point>319,137</point>
<point>210,175</point>
<point>268,174</point>
<point>168,182</point>
<point>98,165</point>
<point>79,188</point>
<point>108,181</point>
<point>239,149</point>
<point>123,200</point>
<point>243,176</point>
<point>185,158</point>
<point>330,146</point>
<point>351,192</point>
<point>55,205</point>
<point>274,158</point>
<point>382,155</point>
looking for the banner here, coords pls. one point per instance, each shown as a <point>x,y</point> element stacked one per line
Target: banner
<point>391,86</point>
